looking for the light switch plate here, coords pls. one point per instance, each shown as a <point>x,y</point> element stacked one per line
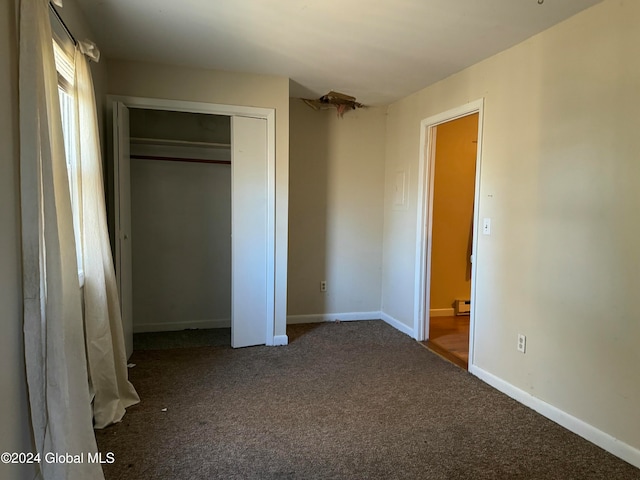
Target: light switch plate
<point>486,226</point>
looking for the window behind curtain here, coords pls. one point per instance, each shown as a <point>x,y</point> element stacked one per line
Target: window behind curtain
<point>65,67</point>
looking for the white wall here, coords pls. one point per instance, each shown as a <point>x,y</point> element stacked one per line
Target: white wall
<point>561,182</point>
<point>181,225</point>
<point>181,234</point>
<point>198,85</point>
<point>336,210</point>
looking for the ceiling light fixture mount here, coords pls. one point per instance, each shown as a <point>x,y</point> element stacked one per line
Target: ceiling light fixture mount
<point>339,101</point>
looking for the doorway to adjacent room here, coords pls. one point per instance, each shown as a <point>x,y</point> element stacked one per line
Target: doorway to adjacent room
<point>452,237</point>
<point>451,160</point>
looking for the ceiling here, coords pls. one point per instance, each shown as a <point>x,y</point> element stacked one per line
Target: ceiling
<point>376,50</point>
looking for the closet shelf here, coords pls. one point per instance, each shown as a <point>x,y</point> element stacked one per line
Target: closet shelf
<point>180,159</point>
<point>176,143</point>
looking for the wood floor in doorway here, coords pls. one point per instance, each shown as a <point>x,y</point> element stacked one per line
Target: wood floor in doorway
<point>449,337</point>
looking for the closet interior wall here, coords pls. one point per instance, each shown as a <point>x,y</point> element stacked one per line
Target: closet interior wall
<point>181,220</point>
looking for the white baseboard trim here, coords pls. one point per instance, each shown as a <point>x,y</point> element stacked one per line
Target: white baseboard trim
<point>397,324</point>
<point>441,312</point>
<point>350,317</point>
<point>605,441</point>
<point>176,326</point>
<point>280,340</point>
<point>332,317</point>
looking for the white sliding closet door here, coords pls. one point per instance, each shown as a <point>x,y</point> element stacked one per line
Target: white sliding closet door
<point>252,226</point>
<point>251,245</point>
<point>122,167</point>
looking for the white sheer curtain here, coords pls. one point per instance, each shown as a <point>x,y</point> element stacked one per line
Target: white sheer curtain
<point>103,325</point>
<point>53,327</point>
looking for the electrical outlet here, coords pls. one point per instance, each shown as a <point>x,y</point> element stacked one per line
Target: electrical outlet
<point>522,343</point>
<point>323,286</point>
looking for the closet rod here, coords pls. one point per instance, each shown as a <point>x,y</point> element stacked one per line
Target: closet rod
<point>179,159</point>
<point>64,25</point>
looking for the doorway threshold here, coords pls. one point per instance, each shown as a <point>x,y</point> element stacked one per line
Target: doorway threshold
<point>446,354</point>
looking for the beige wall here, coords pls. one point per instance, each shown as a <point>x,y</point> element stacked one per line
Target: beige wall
<point>198,85</point>
<point>560,178</point>
<point>335,213</point>
<point>15,434</point>
<point>453,196</point>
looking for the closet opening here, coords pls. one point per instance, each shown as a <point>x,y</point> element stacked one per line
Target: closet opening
<point>180,174</point>
<point>255,266</point>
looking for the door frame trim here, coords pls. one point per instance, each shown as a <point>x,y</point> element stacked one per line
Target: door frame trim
<point>426,172</point>
<point>228,110</point>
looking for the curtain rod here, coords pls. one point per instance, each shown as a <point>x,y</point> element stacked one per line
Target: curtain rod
<point>64,25</point>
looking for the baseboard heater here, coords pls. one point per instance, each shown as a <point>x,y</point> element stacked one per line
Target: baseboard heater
<point>462,307</point>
